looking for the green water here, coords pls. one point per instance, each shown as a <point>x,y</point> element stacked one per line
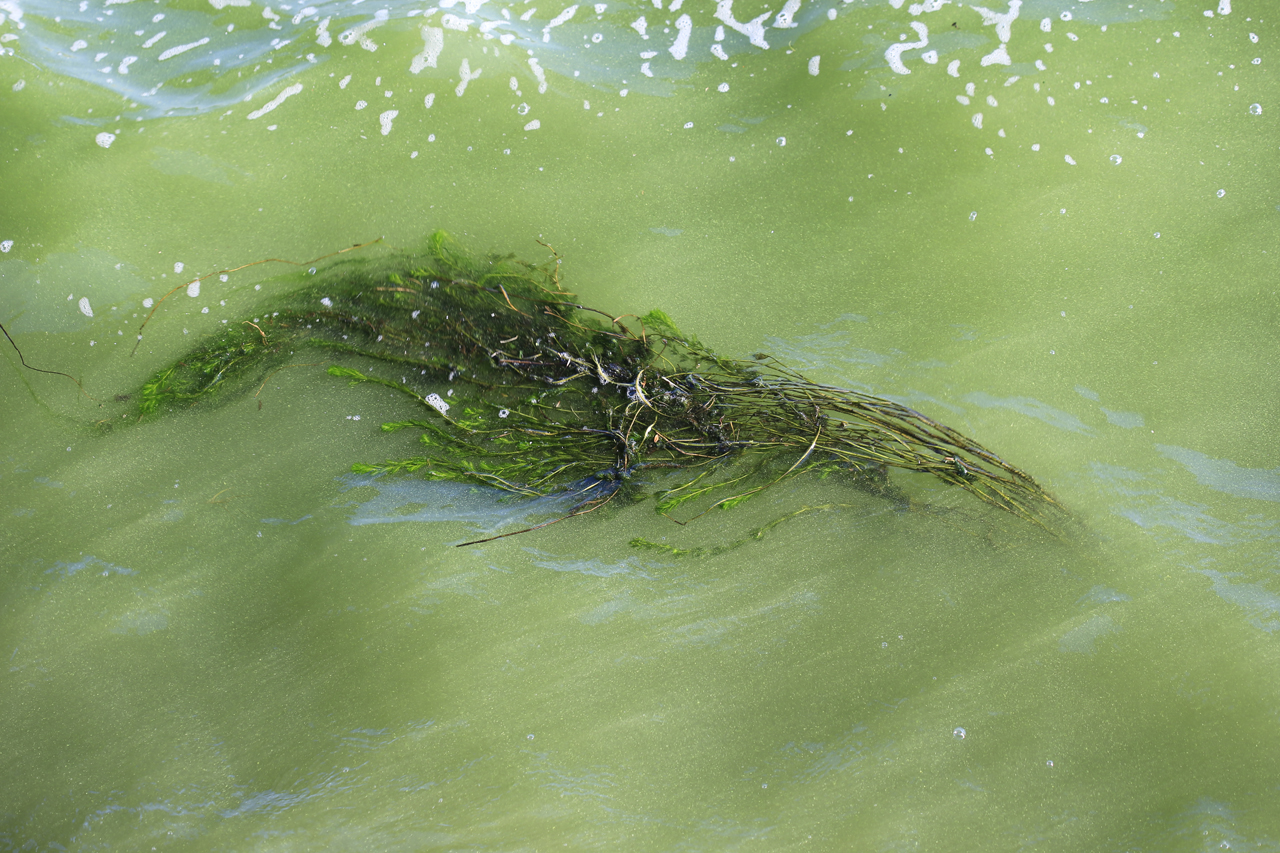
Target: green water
<point>218,639</point>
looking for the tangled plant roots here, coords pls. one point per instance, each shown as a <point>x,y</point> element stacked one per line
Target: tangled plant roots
<point>551,396</point>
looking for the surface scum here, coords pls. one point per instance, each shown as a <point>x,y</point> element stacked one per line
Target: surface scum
<point>553,397</point>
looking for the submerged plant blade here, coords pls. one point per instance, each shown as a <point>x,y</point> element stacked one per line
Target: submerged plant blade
<point>526,390</point>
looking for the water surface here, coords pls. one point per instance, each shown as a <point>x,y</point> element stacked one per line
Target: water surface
<point>1051,224</point>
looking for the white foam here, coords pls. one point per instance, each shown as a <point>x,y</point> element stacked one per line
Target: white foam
<point>753,29</point>
<point>639,25</point>
<point>182,48</point>
<point>953,68</point>
<point>429,100</point>
<point>322,34</point>
<point>84,307</point>
<point>435,401</point>
<point>151,41</point>
<point>1224,7</point>
<point>123,67</point>
<point>977,120</point>
<point>385,120</point>
<point>105,139</point>
<point>193,289</point>
<point>464,71</point>
<point>893,55</point>
<point>786,18</point>
<point>342,84</point>
<point>432,44</point>
<point>1003,20</point>
<point>999,56</point>
<point>533,125</point>
<point>275,102</point>
<point>538,74</point>
<point>562,18</point>
<point>179,266</point>
<point>360,33</point>
<point>813,65</point>
<point>6,245</point>
<point>453,22</point>
<point>684,28</point>
<point>148,302</point>
<point>1071,161</point>
<point>930,57</point>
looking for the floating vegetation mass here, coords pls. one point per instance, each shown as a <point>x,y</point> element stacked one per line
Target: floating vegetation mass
<point>544,395</point>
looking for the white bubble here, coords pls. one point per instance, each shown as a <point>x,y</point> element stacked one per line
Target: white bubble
<point>148,302</point>
<point>326,302</point>
<point>193,289</point>
<point>973,215</point>
<point>781,140</point>
<point>688,124</point>
<point>6,245</point>
<point>1157,235</point>
<point>361,104</point>
<point>959,732</point>
<point>84,307</point>
<point>1221,193</point>
<point>1256,109</point>
<point>502,413</point>
<point>385,120</point>
<point>204,310</point>
<point>105,139</point>
<point>723,87</point>
<point>1116,159</point>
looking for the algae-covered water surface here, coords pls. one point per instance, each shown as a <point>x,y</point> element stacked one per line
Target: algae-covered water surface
<point>1050,225</point>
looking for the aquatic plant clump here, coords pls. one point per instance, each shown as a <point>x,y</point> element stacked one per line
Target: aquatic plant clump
<point>524,389</point>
